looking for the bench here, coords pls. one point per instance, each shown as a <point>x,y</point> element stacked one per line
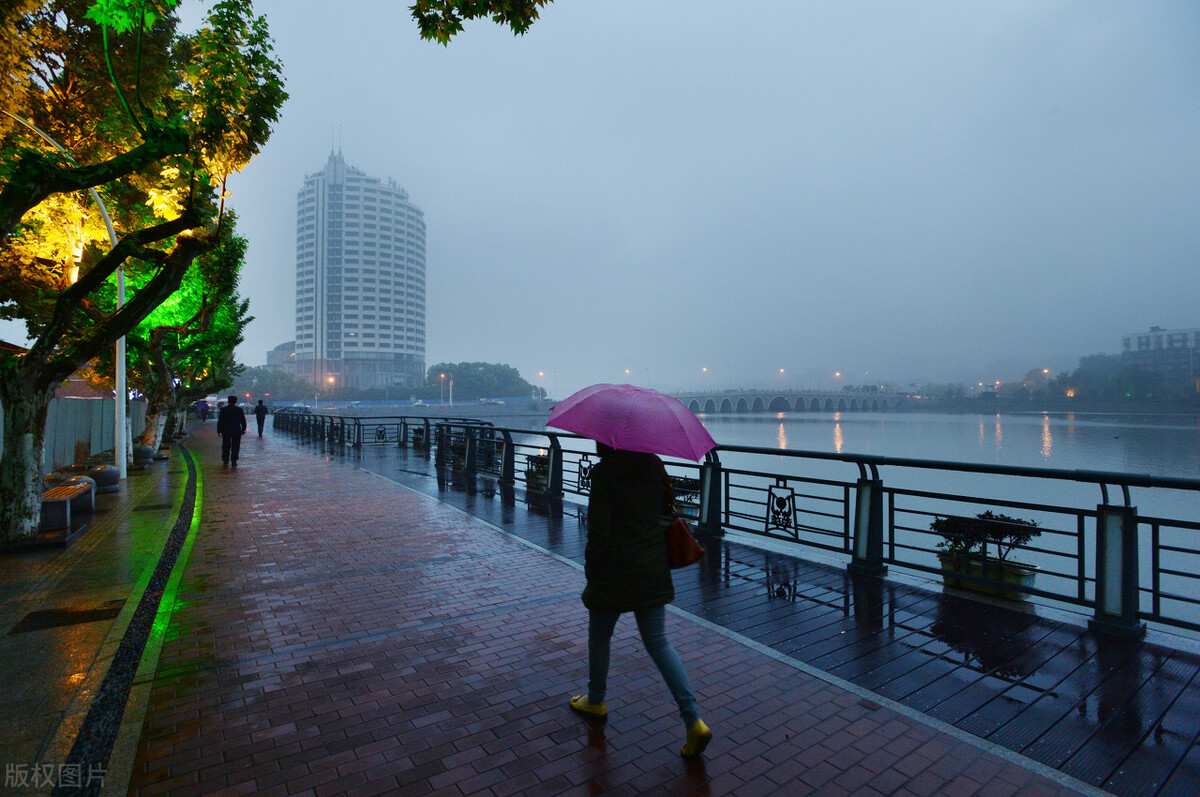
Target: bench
<point>59,503</point>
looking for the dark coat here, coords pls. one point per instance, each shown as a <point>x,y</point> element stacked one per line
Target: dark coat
<point>626,555</point>
<point>231,419</point>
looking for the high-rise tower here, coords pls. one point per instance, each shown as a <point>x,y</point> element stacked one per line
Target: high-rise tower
<point>360,281</point>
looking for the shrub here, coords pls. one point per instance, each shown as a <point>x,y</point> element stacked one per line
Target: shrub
<point>962,535</point>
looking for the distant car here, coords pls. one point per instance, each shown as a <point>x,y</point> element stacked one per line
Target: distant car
<point>418,403</point>
<point>495,401</point>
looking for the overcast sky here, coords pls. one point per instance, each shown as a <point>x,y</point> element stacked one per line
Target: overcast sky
<point>921,191</point>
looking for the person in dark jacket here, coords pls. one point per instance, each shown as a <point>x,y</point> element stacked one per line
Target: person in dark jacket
<point>260,415</point>
<point>627,571</point>
<point>231,425</point>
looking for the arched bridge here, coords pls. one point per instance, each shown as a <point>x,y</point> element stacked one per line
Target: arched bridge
<point>731,401</point>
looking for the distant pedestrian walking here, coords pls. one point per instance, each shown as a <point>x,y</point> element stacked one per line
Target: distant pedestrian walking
<point>627,571</point>
<point>231,425</point>
<point>260,415</point>
<point>202,409</point>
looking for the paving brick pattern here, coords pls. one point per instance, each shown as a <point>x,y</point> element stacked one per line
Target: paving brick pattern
<point>334,633</point>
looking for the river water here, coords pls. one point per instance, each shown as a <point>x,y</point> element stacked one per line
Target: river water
<point>1156,445</point>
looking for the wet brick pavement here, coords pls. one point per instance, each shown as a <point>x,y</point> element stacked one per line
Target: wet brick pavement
<point>336,634</point>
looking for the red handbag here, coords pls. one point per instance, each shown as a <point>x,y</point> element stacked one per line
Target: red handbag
<point>682,548</point>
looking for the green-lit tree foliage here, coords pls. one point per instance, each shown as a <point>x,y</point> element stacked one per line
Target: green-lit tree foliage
<point>440,20</point>
<point>184,349</point>
<point>155,122</point>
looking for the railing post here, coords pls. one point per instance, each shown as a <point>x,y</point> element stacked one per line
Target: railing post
<point>554,481</point>
<point>710,494</point>
<point>1117,600</point>
<point>508,462</point>
<point>472,451</point>
<point>402,434</point>
<point>868,528</point>
<point>442,445</point>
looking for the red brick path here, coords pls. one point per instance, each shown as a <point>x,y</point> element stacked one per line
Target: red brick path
<point>335,633</point>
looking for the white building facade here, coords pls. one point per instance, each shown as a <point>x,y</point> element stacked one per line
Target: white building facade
<point>360,281</point>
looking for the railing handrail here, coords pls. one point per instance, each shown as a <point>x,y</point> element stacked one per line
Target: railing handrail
<point>1077,475</point>
<point>1086,476</point>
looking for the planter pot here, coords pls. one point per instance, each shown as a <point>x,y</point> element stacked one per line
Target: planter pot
<point>537,472</point>
<point>1015,573</point>
<point>687,496</point>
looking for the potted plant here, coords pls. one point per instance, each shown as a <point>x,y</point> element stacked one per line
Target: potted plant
<point>687,496</point>
<point>965,549</point>
<point>537,472</point>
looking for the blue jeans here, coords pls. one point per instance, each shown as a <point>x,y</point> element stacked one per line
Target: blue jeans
<point>652,623</point>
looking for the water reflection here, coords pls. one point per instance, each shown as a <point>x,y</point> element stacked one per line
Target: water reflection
<point>838,439</point>
<point>1047,438</point>
<point>781,437</point>
<point>991,640</point>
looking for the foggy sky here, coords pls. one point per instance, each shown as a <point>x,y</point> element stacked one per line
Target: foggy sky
<point>918,191</point>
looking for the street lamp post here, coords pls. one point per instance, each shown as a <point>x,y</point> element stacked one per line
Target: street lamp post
<point>121,391</point>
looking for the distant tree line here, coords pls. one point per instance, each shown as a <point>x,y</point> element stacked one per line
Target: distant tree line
<point>1107,376</point>
<point>475,381</point>
<point>472,381</point>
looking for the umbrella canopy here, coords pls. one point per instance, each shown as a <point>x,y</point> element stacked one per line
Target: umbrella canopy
<point>633,419</point>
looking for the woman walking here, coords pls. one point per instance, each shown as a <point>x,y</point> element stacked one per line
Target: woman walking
<point>627,571</point>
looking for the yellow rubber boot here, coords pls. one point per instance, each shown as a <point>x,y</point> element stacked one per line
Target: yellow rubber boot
<point>580,703</point>
<point>698,737</point>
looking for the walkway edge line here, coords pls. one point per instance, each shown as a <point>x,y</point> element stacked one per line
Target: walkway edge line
<point>68,728</point>
<point>1025,762</point>
<point>124,750</point>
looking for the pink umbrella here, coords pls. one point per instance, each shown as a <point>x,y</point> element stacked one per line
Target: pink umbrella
<point>634,419</point>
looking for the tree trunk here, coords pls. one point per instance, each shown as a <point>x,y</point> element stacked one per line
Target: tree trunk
<point>160,396</point>
<point>156,421</point>
<point>25,409</point>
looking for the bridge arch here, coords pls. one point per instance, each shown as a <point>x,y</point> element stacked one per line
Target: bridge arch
<point>710,406</point>
<point>841,405</point>
<point>779,404</point>
<point>814,405</point>
<point>742,406</point>
<point>694,406</point>
<point>726,406</point>
<point>759,405</point>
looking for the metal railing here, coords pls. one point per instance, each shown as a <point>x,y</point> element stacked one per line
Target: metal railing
<point>1124,567</point>
<point>402,430</point>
